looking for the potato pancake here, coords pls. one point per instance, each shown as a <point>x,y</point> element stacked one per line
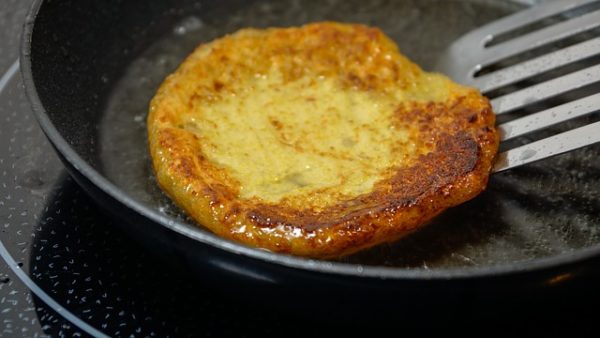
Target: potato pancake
<point>316,141</point>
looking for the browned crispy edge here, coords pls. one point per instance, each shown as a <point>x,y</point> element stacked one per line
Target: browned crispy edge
<point>461,131</point>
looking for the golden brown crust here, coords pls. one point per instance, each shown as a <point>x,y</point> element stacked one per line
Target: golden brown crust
<point>459,130</point>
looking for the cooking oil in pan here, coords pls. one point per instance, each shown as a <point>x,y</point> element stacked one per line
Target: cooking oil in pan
<point>539,210</point>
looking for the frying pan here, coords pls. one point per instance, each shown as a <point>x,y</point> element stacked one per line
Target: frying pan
<point>91,67</point>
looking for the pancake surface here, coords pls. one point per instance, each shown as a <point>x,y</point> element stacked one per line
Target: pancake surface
<point>317,141</point>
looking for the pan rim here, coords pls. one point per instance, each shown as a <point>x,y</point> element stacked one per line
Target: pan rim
<point>207,238</point>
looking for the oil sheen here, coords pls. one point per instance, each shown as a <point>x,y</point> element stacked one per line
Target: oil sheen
<point>311,139</point>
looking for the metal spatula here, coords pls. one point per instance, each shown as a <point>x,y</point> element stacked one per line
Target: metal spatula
<point>563,32</point>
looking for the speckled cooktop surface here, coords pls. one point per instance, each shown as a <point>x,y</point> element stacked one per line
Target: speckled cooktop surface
<point>66,271</point>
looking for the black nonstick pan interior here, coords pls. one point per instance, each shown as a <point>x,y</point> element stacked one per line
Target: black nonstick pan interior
<point>96,65</point>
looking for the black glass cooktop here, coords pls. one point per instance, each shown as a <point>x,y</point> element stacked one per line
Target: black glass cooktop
<point>66,271</point>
